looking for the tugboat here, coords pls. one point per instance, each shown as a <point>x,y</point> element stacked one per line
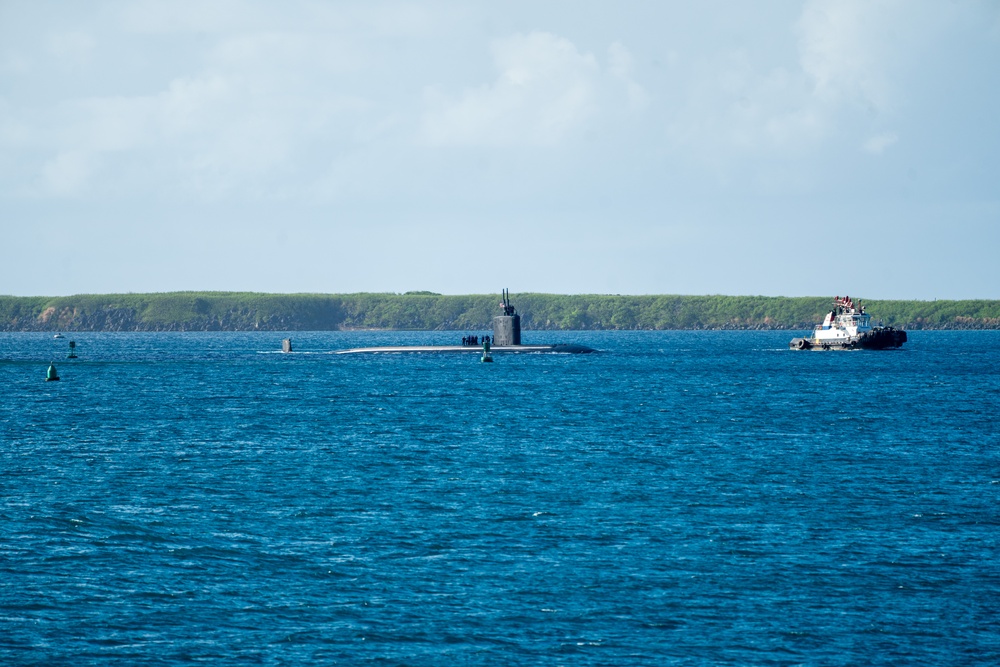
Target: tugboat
<point>849,327</point>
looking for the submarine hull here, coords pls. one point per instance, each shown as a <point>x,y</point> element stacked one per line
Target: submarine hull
<point>471,349</point>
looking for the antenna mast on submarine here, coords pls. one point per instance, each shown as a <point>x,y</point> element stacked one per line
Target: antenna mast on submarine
<point>508,309</point>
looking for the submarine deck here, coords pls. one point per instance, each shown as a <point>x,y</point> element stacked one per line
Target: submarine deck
<point>470,349</point>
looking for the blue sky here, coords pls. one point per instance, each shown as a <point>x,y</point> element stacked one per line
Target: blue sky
<point>776,148</point>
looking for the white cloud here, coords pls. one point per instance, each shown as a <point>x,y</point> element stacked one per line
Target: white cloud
<point>381,19</point>
<point>545,89</point>
<point>841,86</point>
<point>71,47</point>
<point>620,64</point>
<point>14,63</point>
<point>876,145</point>
<point>285,56</point>
<point>195,104</point>
<point>13,133</point>
<point>734,108</point>
<point>842,48</point>
<point>67,173</point>
<point>155,16</point>
<point>234,95</point>
<point>252,105</point>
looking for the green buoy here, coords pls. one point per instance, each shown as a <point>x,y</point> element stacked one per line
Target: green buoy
<point>72,350</point>
<point>51,375</point>
<point>487,357</point>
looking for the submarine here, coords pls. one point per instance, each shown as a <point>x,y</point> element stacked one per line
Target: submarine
<point>506,339</point>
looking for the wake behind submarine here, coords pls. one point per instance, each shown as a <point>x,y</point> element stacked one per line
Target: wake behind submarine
<point>506,338</point>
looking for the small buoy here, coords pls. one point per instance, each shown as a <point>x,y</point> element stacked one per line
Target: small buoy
<point>487,357</point>
<point>51,375</point>
<point>286,345</point>
<point>72,350</point>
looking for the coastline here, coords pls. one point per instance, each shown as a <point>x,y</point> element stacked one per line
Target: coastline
<point>234,311</point>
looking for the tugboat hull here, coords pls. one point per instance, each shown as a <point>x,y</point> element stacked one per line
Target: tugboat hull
<point>881,339</point>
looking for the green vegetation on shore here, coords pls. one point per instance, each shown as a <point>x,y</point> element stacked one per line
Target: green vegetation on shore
<point>247,311</point>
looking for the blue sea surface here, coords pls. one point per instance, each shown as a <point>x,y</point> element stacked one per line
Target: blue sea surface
<point>680,498</point>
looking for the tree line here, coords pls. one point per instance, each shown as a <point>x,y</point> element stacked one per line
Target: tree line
<point>247,311</point>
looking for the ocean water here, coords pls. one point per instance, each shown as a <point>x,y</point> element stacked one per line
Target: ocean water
<point>680,498</point>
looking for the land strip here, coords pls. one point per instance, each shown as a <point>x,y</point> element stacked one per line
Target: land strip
<point>249,311</point>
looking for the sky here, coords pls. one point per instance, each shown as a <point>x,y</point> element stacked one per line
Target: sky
<point>780,148</point>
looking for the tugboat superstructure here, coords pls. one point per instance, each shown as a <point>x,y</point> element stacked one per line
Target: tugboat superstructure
<point>849,327</point>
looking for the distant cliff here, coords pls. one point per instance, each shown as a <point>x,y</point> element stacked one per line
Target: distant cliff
<point>239,311</point>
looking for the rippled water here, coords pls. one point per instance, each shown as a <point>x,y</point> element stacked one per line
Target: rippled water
<point>679,498</point>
